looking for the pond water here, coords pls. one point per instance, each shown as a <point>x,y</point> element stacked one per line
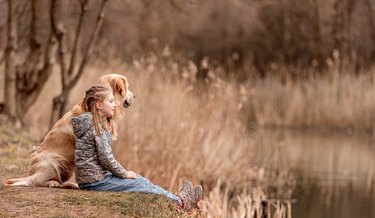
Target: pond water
<point>335,171</point>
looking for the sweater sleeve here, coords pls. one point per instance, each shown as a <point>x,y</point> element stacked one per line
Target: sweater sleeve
<point>106,158</point>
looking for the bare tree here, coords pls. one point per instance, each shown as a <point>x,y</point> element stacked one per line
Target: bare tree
<point>25,79</point>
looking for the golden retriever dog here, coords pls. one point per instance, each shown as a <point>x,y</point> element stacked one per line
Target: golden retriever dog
<point>52,164</point>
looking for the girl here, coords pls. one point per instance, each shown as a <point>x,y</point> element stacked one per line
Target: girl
<point>96,167</point>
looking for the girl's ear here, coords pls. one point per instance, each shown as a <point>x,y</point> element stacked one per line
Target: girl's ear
<point>98,105</point>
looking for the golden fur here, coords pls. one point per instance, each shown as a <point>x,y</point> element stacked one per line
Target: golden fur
<point>52,164</point>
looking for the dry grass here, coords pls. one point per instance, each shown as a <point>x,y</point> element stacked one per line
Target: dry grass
<point>255,204</point>
<point>53,202</point>
<point>332,101</point>
<point>180,128</point>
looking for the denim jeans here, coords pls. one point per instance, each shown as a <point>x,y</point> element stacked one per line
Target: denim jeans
<point>140,184</point>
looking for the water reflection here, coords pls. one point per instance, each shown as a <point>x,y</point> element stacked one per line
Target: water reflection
<point>335,171</point>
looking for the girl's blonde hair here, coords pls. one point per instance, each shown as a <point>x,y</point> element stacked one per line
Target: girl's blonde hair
<point>94,95</point>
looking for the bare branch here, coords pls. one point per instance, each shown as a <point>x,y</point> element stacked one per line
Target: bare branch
<point>87,53</point>
<point>2,59</point>
<point>175,6</point>
<point>84,6</point>
<point>60,33</point>
<point>178,8</point>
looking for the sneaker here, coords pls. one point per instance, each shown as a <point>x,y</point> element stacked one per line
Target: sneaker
<point>197,195</point>
<point>186,195</point>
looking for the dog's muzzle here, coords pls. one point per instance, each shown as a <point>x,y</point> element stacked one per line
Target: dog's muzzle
<point>130,97</point>
<point>128,102</point>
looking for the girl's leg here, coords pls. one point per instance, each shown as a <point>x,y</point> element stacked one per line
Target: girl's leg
<point>140,184</point>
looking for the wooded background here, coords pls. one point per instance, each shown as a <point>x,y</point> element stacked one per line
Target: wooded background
<point>39,35</point>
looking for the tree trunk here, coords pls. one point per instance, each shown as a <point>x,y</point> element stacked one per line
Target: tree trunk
<point>10,63</point>
<point>59,103</point>
<point>31,78</point>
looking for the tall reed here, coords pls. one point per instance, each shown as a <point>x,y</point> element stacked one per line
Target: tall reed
<point>332,100</point>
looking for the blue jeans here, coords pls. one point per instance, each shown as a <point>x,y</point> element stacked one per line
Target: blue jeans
<point>140,184</point>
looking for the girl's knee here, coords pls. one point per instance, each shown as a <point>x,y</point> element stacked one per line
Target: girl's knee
<point>141,180</point>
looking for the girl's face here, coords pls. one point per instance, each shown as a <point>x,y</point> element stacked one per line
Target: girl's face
<point>107,107</point>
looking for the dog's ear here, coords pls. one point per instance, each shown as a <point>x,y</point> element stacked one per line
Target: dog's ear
<point>120,86</point>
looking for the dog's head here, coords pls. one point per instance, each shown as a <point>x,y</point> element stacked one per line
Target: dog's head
<point>123,96</point>
<point>120,89</point>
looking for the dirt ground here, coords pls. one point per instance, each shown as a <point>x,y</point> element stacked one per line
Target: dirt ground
<point>16,147</point>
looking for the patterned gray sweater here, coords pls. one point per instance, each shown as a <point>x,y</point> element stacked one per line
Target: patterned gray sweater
<point>93,154</point>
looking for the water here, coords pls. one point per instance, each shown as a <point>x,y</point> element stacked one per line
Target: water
<point>334,171</point>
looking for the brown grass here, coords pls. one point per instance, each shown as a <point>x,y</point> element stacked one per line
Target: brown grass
<point>336,100</point>
<point>180,128</point>
<point>53,202</point>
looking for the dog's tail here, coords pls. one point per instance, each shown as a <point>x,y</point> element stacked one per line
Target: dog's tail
<point>25,181</point>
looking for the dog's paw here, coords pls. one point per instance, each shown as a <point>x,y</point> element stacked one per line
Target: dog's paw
<point>70,185</point>
<point>53,184</point>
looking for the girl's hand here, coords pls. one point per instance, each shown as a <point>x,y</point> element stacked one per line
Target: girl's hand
<point>131,175</point>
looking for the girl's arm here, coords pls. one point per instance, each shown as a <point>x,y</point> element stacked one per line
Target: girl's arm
<point>106,158</point>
